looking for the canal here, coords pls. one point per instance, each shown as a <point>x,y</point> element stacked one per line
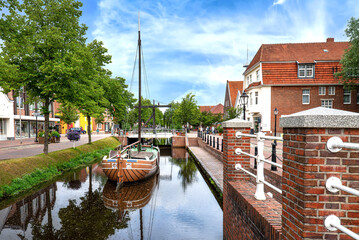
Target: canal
<point>174,204</point>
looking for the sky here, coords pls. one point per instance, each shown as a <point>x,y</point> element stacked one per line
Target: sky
<point>197,45</point>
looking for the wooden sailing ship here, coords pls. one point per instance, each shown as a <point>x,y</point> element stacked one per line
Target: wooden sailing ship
<point>135,162</point>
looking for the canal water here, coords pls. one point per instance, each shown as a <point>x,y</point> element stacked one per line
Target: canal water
<point>174,204</point>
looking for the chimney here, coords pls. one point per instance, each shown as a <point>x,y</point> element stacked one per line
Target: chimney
<point>330,39</point>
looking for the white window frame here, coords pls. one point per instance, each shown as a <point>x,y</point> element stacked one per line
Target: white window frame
<point>327,103</point>
<point>347,93</point>
<point>256,98</point>
<point>303,70</point>
<point>305,94</point>
<point>99,125</point>
<point>322,90</point>
<point>331,90</point>
<point>250,99</point>
<point>250,78</point>
<point>19,99</point>
<point>257,75</point>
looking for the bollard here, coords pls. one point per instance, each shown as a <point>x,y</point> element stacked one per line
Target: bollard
<point>217,143</point>
<point>274,156</point>
<point>210,141</point>
<point>255,154</point>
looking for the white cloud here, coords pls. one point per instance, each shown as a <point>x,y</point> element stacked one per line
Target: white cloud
<point>202,52</point>
<point>278,2</point>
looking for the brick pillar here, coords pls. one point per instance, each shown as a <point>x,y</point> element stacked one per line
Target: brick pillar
<point>307,164</point>
<point>230,158</point>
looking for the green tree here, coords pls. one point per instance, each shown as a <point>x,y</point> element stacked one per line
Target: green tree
<point>349,74</point>
<point>68,113</point>
<point>40,45</point>
<point>119,99</point>
<point>187,111</point>
<point>233,112</point>
<point>91,100</point>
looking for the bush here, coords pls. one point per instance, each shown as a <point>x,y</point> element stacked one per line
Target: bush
<point>41,134</point>
<point>73,136</point>
<point>55,134</point>
<point>220,129</point>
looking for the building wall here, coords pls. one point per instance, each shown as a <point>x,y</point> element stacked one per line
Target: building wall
<point>262,108</point>
<point>288,100</point>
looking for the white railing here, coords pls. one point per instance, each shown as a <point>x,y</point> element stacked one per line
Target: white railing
<point>336,144</point>
<point>334,184</point>
<point>259,195</point>
<point>332,223</point>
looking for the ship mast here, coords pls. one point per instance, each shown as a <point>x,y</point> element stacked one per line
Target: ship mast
<point>139,83</point>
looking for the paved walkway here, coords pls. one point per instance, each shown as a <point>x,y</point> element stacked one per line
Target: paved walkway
<point>16,149</point>
<point>211,165</point>
<point>214,166</point>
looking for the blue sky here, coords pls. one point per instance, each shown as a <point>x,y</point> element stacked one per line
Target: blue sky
<point>196,46</point>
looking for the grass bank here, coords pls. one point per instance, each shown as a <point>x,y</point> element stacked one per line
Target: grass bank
<point>20,174</point>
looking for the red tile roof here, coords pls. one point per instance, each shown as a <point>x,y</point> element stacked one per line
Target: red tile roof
<point>219,108</point>
<point>301,52</point>
<point>234,87</point>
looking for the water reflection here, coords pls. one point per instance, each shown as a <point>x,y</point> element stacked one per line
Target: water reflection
<point>174,204</point>
<point>187,171</point>
<point>17,216</point>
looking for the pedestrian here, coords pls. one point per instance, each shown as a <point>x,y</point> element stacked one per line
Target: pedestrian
<point>97,130</point>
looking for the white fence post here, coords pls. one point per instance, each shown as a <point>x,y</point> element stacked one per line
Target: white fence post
<point>260,168</point>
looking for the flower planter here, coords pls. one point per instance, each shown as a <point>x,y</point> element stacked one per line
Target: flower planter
<point>54,139</point>
<point>41,140</point>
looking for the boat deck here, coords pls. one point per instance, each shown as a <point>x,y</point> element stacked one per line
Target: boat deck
<point>141,155</point>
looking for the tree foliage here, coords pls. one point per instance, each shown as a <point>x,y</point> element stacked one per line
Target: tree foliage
<point>349,74</point>
<point>187,111</point>
<point>233,112</point>
<point>209,119</point>
<point>69,113</point>
<point>41,42</point>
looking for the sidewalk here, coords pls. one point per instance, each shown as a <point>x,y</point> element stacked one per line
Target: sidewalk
<point>15,149</point>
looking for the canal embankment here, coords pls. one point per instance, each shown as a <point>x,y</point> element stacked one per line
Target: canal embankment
<point>20,174</point>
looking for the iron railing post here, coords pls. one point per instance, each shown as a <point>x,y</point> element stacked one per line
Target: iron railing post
<point>255,154</point>
<point>274,155</point>
<point>222,146</point>
<point>218,143</point>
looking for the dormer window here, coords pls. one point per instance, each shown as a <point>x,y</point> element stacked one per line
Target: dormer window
<point>306,70</point>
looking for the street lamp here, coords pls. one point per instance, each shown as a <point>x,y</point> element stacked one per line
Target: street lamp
<point>274,145</point>
<point>36,114</point>
<point>244,100</point>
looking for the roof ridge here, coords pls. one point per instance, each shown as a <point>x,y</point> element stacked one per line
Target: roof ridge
<point>304,43</point>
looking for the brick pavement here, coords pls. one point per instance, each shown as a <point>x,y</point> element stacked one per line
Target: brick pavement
<point>14,149</point>
<point>212,165</point>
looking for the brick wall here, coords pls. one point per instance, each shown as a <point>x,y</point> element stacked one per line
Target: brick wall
<point>307,164</point>
<point>244,217</point>
<point>288,100</point>
<point>216,153</point>
<point>250,219</point>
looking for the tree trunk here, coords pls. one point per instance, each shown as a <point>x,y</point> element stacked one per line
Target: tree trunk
<point>46,114</point>
<point>89,127</point>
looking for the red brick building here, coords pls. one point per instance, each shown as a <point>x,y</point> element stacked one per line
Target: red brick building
<point>217,109</point>
<point>293,77</point>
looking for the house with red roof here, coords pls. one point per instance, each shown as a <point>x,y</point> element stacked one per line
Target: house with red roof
<point>293,77</point>
<point>233,92</point>
<point>217,109</point>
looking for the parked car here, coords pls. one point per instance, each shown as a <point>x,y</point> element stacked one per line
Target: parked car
<point>77,129</point>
